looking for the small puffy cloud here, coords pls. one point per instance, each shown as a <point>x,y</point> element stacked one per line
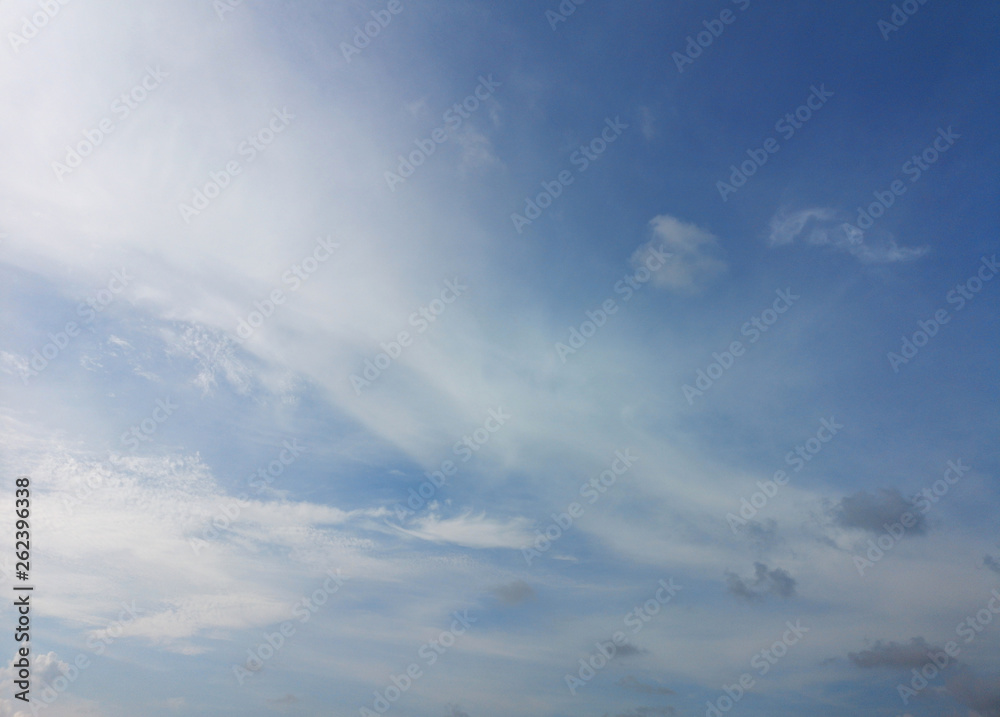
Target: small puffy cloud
<point>695,255</point>
<point>514,593</point>
<point>992,563</point>
<point>45,668</point>
<point>628,649</point>
<point>455,711</point>
<point>764,582</point>
<point>873,511</point>
<point>894,654</point>
<point>631,683</point>
<point>48,667</point>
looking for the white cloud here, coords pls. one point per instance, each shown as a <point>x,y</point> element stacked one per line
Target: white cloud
<point>647,123</point>
<point>473,531</point>
<point>130,540</point>
<point>215,355</point>
<point>887,251</point>
<point>13,363</point>
<point>45,668</point>
<point>696,255</point>
<point>826,228</point>
<point>477,150</point>
<point>786,227</point>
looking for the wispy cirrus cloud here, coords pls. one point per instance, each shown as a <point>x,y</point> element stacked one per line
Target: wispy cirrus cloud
<point>471,531</point>
<point>823,226</point>
<point>630,682</point>
<point>785,227</point>
<point>893,654</point>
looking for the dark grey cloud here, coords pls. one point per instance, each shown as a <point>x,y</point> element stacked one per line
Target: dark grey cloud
<point>514,593</point>
<point>992,563</point>
<point>285,704</point>
<point>455,711</point>
<point>631,683</point>
<point>764,582</point>
<point>894,654</point>
<point>980,693</point>
<point>288,699</point>
<point>647,712</point>
<point>764,535</point>
<point>628,649</point>
<point>871,511</point>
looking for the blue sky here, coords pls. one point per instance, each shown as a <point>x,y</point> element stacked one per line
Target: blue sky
<point>453,457</point>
